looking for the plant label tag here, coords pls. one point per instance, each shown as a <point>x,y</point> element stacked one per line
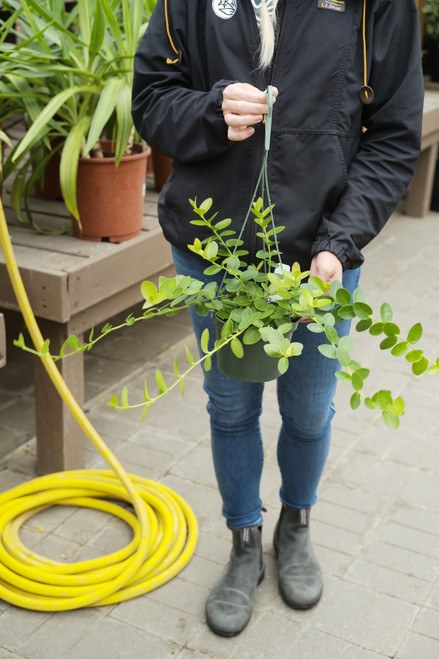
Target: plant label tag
<point>333,5</point>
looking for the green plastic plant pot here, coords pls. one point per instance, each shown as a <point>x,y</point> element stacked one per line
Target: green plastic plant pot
<point>254,366</point>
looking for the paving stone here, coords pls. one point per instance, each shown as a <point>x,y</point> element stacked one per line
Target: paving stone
<point>17,624</point>
<point>433,598</point>
<point>413,539</point>
<point>336,538</point>
<point>415,517</point>
<point>272,637</point>
<point>47,641</point>
<point>342,517</point>
<point>342,611</point>
<point>356,652</point>
<point>427,623</point>
<point>416,645</point>
<point>384,626</point>
<point>107,638</point>
<point>352,499</point>
<point>311,645</point>
<point>387,581</point>
<point>159,619</point>
<point>402,560</point>
<point>148,645</point>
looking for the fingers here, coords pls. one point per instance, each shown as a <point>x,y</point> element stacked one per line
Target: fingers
<point>243,106</point>
<point>326,266</point>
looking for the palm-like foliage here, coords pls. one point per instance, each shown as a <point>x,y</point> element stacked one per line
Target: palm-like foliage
<point>71,71</point>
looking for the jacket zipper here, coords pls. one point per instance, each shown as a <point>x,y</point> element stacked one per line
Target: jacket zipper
<point>252,237</point>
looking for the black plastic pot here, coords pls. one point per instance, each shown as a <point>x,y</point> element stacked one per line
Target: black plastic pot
<point>254,366</point>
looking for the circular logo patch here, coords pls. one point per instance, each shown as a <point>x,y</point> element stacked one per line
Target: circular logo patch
<point>224,8</point>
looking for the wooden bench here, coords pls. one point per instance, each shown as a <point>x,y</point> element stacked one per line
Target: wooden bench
<point>73,285</point>
<point>418,198</point>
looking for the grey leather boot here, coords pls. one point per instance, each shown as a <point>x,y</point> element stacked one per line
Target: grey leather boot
<point>300,577</point>
<point>229,605</point>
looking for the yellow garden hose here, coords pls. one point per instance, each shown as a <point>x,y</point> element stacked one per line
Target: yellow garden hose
<point>164,528</point>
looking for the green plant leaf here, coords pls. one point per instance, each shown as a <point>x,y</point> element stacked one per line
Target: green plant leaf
<point>160,382</point>
<point>359,295</point>
<point>331,334</point>
<point>205,340</point>
<point>124,398</point>
<point>315,328</point>
<point>145,411</point>
<point>386,313</point>
<point>433,370</point>
<point>237,348</point>
<point>362,310</point>
<point>47,114</point>
<point>357,381</point>
<point>414,356</point>
<point>343,376</point>
<point>113,402</point>
<point>343,297</point>
<point>207,363</point>
<point>390,329</point>
<point>189,356</point>
<point>420,367</point>
<point>388,343</point>
<point>98,30</point>
<point>272,350</point>
<point>68,168</point>
<point>364,325</point>
<point>347,312</point>
<point>347,343</point>
<point>206,204</point>
<point>343,356</point>
<point>400,349</point>
<point>327,351</point>
<point>103,111</point>
<point>376,329</point>
<point>212,270</point>
<point>251,336</point>
<point>391,420</point>
<point>355,400</point>
<point>415,333</point>
<point>383,398</point>
<point>149,291</point>
<point>282,365</point>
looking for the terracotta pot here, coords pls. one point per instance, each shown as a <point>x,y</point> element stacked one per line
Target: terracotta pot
<point>161,165</point>
<point>110,198</point>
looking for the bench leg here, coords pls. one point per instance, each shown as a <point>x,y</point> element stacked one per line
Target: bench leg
<point>60,441</point>
<point>421,188</point>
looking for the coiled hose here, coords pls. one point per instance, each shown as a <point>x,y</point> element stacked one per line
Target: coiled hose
<point>165,530</point>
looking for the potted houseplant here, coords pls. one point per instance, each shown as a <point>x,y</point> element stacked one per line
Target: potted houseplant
<point>73,69</point>
<point>258,304</point>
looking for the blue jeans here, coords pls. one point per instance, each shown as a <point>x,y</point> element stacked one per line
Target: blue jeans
<point>305,397</point>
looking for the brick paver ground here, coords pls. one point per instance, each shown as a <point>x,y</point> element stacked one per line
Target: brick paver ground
<point>376,526</point>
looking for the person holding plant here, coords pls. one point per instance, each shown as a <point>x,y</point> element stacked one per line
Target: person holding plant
<point>344,145</point>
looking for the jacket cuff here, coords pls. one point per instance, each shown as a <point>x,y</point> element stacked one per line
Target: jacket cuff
<point>333,238</point>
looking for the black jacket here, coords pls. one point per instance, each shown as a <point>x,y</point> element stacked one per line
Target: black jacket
<point>333,185</point>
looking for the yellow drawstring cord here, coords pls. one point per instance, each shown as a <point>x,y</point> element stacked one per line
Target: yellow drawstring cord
<point>165,528</point>
<point>168,31</point>
<point>366,92</point>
